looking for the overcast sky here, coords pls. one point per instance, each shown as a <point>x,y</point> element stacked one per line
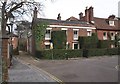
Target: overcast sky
<point>67,8</point>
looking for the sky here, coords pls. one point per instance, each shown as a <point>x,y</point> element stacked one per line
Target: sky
<point>68,8</point>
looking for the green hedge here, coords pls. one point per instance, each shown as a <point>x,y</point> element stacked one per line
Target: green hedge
<point>113,51</point>
<point>102,52</point>
<point>58,54</point>
<point>59,39</point>
<point>88,42</point>
<point>105,43</point>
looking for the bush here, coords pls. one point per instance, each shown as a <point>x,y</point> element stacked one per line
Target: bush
<point>96,52</point>
<point>102,52</point>
<point>65,54</point>
<point>59,39</point>
<point>58,54</point>
<point>105,43</point>
<point>112,51</point>
<point>88,42</point>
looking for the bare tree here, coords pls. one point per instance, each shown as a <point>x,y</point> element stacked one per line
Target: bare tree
<point>17,8</point>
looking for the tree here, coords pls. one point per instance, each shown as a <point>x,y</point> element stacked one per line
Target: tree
<point>15,9</point>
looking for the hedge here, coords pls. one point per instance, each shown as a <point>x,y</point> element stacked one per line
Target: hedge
<point>59,39</point>
<point>65,54</point>
<point>105,43</point>
<point>102,52</point>
<point>88,42</point>
<point>58,54</point>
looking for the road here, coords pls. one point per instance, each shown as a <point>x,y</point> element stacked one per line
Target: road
<point>101,69</point>
<point>94,69</point>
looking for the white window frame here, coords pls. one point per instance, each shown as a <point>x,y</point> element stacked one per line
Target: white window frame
<point>112,36</point>
<point>47,43</point>
<point>75,37</point>
<point>73,45</point>
<point>111,23</point>
<point>48,38</point>
<point>89,32</point>
<point>105,37</point>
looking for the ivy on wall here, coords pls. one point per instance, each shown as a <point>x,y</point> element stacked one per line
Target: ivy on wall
<point>40,33</point>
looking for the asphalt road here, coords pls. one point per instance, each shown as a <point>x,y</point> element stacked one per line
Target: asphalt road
<point>101,69</point>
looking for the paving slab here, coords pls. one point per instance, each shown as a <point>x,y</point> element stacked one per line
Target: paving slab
<point>22,72</point>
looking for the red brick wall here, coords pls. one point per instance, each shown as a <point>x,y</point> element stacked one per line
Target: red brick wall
<point>82,32</point>
<point>5,58</point>
<point>70,36</point>
<point>100,34</point>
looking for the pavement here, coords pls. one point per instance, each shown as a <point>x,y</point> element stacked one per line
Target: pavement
<point>23,72</point>
<point>94,69</point>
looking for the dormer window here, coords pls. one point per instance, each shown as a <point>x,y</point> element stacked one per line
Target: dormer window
<point>111,23</point>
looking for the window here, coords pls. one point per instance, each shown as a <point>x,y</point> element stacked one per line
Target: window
<point>48,35</point>
<point>89,33</point>
<point>75,35</point>
<point>112,36</point>
<point>104,35</point>
<point>75,46</point>
<point>47,46</point>
<point>111,23</point>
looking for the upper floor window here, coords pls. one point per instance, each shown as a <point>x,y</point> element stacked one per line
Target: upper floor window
<point>111,23</point>
<point>89,32</point>
<point>75,34</point>
<point>112,36</point>
<point>104,35</point>
<point>48,34</point>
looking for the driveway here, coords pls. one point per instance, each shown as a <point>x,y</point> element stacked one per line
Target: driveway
<point>95,69</point>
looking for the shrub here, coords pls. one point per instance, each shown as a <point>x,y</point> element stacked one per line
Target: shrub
<point>112,51</point>
<point>102,52</point>
<point>58,54</point>
<point>59,39</point>
<point>96,52</point>
<point>104,44</point>
<point>88,42</point>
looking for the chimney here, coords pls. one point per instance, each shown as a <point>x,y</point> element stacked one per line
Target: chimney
<point>80,15</point>
<point>87,14</point>
<point>91,17</point>
<point>59,17</point>
<point>35,12</point>
<point>111,17</point>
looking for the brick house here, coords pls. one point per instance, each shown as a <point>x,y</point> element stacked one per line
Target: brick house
<point>74,28</point>
<point>106,28</point>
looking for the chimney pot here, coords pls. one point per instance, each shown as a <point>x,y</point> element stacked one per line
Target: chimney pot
<point>80,15</point>
<point>59,17</point>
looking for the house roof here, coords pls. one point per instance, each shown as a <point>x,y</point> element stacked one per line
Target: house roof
<point>102,23</point>
<point>72,19</point>
<point>65,22</point>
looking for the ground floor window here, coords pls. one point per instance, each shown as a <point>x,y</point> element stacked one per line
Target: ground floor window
<point>47,46</point>
<point>75,46</point>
